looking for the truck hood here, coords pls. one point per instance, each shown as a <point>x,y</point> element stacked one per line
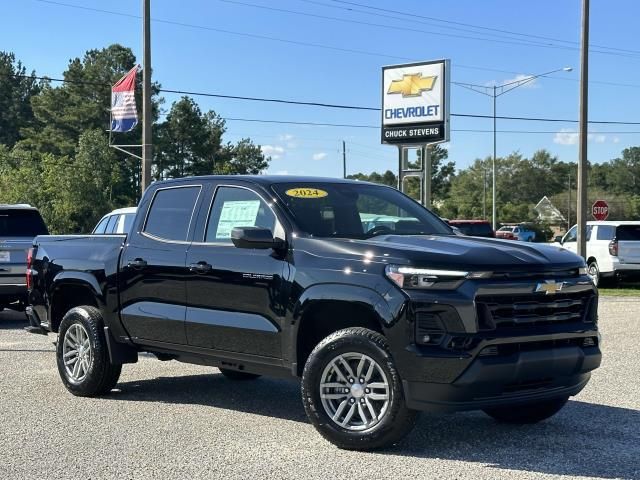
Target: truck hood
<point>448,251</point>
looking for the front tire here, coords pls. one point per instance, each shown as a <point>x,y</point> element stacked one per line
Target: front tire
<point>527,413</point>
<point>82,355</point>
<point>352,392</point>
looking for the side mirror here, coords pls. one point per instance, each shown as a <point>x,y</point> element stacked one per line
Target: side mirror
<point>254,237</point>
<point>558,239</point>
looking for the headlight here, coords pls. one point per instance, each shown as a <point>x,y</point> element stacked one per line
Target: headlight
<point>416,278</point>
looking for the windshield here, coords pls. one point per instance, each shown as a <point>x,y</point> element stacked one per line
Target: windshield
<point>506,229</point>
<point>21,223</point>
<point>358,211</point>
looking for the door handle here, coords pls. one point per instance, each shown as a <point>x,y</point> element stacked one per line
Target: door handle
<point>137,263</point>
<point>200,267</point>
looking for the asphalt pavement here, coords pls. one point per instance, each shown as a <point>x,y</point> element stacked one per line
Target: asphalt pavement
<point>170,420</point>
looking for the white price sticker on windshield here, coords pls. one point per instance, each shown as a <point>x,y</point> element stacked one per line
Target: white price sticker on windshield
<point>4,257</point>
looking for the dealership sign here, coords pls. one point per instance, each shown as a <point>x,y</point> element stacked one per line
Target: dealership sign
<point>415,103</point>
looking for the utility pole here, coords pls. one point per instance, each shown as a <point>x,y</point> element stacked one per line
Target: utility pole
<point>147,119</point>
<point>569,205</point>
<point>426,165</point>
<point>494,218</point>
<point>582,151</point>
<point>484,194</point>
<point>344,160</point>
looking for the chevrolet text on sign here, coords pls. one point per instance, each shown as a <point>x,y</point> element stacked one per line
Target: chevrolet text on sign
<point>415,106</point>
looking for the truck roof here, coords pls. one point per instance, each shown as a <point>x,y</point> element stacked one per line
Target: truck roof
<point>266,179</point>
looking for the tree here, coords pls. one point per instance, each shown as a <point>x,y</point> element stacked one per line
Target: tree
<point>442,174</point>
<point>16,91</point>
<point>190,143</point>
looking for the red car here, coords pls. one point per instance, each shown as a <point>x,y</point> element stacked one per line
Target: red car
<point>474,228</point>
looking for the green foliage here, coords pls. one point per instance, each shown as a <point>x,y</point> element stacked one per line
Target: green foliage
<point>16,90</point>
<point>55,154</point>
<point>441,175</point>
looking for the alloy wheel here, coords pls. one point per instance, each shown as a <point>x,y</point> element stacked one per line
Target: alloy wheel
<point>77,353</point>
<point>354,391</point>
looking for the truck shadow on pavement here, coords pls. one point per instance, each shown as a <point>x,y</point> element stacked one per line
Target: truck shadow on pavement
<point>584,439</point>
<point>12,320</point>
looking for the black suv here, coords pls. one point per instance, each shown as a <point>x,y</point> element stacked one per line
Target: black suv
<point>354,287</point>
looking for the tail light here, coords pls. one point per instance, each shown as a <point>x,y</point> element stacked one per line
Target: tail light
<point>613,247</point>
<point>29,263</point>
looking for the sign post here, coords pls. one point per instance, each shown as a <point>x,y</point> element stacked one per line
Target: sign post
<point>415,113</point>
<point>600,210</point>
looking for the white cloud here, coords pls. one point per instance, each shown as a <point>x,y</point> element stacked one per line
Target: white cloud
<point>567,136</point>
<point>282,172</point>
<point>319,156</point>
<point>616,139</point>
<point>273,151</point>
<point>288,138</point>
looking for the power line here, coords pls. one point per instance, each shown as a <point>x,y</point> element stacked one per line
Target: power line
<point>293,42</point>
<point>469,25</point>
<point>329,105</point>
<point>451,35</point>
<point>394,27</point>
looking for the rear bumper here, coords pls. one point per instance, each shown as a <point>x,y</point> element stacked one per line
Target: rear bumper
<point>519,378</point>
<point>12,289</point>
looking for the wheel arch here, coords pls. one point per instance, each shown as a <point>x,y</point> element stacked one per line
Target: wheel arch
<point>72,291</point>
<point>327,308</point>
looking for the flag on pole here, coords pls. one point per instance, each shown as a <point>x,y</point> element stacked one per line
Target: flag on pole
<point>124,116</point>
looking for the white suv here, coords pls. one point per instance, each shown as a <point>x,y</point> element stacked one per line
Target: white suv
<point>613,248</point>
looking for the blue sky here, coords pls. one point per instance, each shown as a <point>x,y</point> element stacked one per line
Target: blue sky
<point>46,35</point>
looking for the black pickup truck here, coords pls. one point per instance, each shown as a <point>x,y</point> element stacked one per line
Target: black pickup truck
<point>357,289</point>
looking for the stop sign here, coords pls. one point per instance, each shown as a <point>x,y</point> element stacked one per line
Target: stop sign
<point>600,210</point>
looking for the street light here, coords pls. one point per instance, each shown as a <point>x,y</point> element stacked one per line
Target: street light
<point>496,91</point>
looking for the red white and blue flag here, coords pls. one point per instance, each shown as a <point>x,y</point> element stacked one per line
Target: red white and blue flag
<point>124,116</point>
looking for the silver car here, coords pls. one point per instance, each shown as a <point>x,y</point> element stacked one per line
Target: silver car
<point>19,224</point>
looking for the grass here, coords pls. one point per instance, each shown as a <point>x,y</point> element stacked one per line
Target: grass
<point>622,289</point>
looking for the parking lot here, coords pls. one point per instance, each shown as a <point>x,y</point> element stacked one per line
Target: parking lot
<point>172,420</point>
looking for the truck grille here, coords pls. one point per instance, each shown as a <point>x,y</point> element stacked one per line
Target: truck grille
<point>505,311</point>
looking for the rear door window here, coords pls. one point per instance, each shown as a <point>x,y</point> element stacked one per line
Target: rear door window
<point>605,232</point>
<point>21,223</point>
<point>627,233</point>
<point>170,214</point>
<point>111,223</point>
<point>127,222</point>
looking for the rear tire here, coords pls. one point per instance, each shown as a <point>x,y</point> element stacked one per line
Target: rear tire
<point>236,375</point>
<point>82,355</point>
<point>352,392</point>
<point>594,272</point>
<point>527,413</point>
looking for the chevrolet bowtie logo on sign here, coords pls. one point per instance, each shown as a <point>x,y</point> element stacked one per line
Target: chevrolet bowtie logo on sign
<point>549,287</point>
<point>412,85</point>
<point>415,106</point>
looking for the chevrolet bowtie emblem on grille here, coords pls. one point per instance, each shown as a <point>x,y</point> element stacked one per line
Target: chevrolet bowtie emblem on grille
<point>412,85</point>
<point>550,287</point>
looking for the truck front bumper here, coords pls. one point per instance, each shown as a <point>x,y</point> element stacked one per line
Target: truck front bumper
<point>521,377</point>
